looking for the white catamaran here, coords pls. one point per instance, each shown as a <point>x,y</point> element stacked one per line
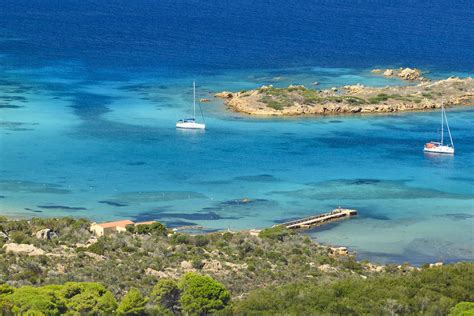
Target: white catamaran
<point>440,147</point>
<point>191,123</point>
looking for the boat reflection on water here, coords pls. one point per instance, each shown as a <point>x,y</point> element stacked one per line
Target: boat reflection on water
<point>190,131</point>
<point>439,159</point>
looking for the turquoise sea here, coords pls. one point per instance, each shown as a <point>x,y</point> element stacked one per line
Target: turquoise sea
<point>88,107</point>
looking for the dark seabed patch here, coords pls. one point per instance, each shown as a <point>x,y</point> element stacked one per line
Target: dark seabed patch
<point>317,229</point>
<point>172,224</point>
<point>335,121</point>
<point>31,187</point>
<point>10,106</point>
<point>114,203</point>
<point>156,196</point>
<point>420,249</point>
<point>463,179</point>
<point>16,126</point>
<point>457,216</point>
<point>258,178</point>
<point>364,181</point>
<point>370,213</point>
<point>136,163</point>
<point>244,201</point>
<point>367,189</point>
<point>194,216</point>
<point>386,258</point>
<point>2,196</point>
<point>163,216</point>
<point>241,208</point>
<point>90,106</point>
<point>61,207</point>
<point>33,210</point>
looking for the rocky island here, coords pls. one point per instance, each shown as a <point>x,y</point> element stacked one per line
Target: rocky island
<point>299,100</point>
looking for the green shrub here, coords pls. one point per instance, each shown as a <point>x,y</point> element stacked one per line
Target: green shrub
<point>197,264</point>
<point>88,298</point>
<point>20,237</point>
<point>166,293</point>
<point>278,232</point>
<point>181,239</point>
<point>5,289</point>
<point>132,304</point>
<point>201,240</point>
<point>462,309</point>
<point>227,236</point>
<point>98,248</point>
<point>202,294</point>
<point>29,300</point>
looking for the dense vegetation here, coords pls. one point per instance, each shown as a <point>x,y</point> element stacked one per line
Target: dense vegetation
<point>149,270</point>
<point>193,294</point>
<point>432,291</point>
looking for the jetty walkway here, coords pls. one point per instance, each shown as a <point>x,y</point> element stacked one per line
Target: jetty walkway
<point>320,219</point>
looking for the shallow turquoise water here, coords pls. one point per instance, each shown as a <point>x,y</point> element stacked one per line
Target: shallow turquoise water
<point>108,149</point>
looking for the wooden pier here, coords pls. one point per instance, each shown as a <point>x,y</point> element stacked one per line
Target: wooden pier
<point>320,219</point>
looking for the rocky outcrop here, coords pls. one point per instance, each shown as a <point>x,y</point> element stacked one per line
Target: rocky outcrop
<point>223,95</point>
<point>167,274</point>
<point>338,251</point>
<point>186,265</point>
<point>409,74</point>
<point>46,234</point>
<point>94,256</point>
<point>23,249</point>
<point>374,267</point>
<point>353,89</point>
<point>212,266</point>
<point>327,268</point>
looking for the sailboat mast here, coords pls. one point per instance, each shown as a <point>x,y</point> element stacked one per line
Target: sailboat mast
<point>194,100</point>
<point>442,123</point>
<point>449,131</point>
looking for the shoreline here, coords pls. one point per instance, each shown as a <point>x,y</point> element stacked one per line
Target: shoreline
<point>338,249</point>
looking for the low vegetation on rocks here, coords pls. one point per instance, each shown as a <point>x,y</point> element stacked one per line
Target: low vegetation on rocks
<point>299,100</point>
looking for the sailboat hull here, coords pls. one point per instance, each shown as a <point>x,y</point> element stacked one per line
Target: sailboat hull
<point>190,125</point>
<point>440,149</point>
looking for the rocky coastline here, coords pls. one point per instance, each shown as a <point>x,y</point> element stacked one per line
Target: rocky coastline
<point>296,100</point>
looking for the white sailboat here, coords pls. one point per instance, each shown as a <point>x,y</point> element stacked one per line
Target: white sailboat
<point>190,123</point>
<point>440,147</point>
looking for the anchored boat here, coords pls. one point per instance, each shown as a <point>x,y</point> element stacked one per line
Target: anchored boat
<point>440,147</point>
<point>190,123</point>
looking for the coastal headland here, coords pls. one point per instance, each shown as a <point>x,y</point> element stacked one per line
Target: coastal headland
<point>60,266</point>
<point>423,94</point>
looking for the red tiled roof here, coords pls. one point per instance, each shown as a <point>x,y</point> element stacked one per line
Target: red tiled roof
<point>122,223</point>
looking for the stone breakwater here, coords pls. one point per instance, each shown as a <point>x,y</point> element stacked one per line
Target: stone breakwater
<point>299,100</point>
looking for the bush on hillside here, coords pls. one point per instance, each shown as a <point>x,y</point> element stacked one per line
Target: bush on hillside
<point>201,294</point>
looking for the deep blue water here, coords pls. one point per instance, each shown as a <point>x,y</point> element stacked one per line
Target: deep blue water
<point>90,92</point>
<point>212,35</point>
